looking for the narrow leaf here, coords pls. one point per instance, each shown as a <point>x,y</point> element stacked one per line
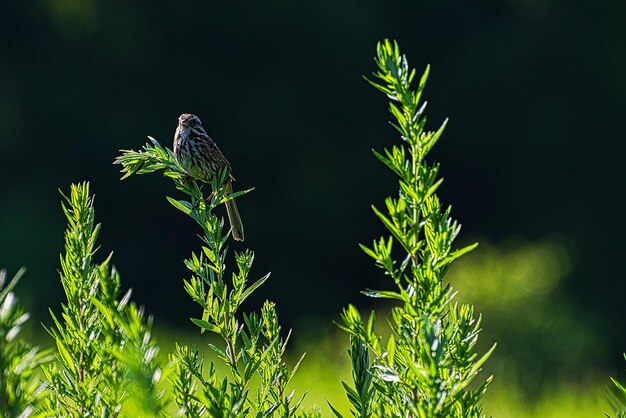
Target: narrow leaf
<point>206,325</point>
<point>182,205</point>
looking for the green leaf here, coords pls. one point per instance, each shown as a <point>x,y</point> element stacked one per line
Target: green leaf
<point>410,191</point>
<point>337,413</point>
<point>370,325</point>
<point>388,162</point>
<point>434,188</point>
<point>12,283</point>
<point>435,136</point>
<point>236,194</point>
<point>206,325</point>
<point>253,287</point>
<point>391,350</point>
<point>619,385</point>
<point>422,84</point>
<point>378,86</point>
<point>456,254</point>
<point>383,294</point>
<point>182,205</point>
<point>64,356</point>
<point>368,251</point>
<point>388,224</point>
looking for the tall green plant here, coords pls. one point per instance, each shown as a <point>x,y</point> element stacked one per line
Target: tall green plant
<point>252,346</point>
<point>426,366</point>
<point>106,359</point>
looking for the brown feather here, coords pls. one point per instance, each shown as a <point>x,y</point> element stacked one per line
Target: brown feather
<point>201,158</point>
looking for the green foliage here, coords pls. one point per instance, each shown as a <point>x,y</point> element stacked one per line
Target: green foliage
<point>106,359</point>
<point>19,360</point>
<point>105,356</point>
<point>427,364</point>
<point>252,346</point>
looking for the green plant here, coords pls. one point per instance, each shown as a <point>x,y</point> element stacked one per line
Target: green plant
<point>426,366</point>
<point>252,346</point>
<point>106,359</point>
<point>19,360</point>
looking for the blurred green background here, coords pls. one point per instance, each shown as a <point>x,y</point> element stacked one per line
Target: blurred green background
<point>535,92</point>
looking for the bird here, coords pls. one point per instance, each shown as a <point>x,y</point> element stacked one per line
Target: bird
<point>200,157</point>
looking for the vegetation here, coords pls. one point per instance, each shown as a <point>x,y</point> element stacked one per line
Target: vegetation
<point>427,364</point>
<point>19,387</point>
<point>106,361</point>
<point>252,345</point>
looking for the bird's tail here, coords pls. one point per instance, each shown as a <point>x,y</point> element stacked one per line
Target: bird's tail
<point>233,216</point>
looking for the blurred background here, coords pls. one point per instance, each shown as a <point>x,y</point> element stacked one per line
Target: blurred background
<point>532,157</point>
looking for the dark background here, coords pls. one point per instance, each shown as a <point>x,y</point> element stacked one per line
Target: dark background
<point>535,92</point>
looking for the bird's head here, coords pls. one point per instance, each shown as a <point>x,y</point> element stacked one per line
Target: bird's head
<point>189,120</point>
